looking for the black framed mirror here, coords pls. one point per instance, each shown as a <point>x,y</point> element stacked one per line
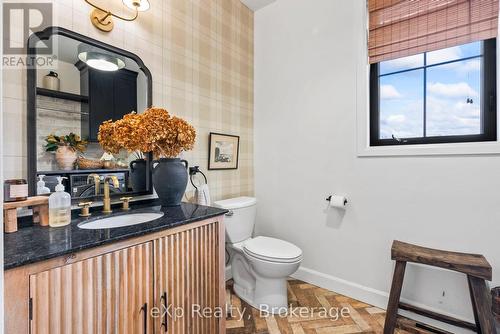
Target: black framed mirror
<point>87,83</point>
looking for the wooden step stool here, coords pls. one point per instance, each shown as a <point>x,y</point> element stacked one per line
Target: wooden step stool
<point>40,205</point>
<point>475,266</point>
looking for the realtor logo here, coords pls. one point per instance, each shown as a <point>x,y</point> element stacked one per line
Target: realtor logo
<point>20,21</point>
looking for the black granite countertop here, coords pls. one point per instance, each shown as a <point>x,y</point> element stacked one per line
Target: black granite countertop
<point>35,243</point>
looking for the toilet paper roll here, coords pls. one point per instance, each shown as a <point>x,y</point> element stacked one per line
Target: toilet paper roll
<point>338,201</point>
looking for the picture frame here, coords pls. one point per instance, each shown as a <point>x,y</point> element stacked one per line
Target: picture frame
<point>223,151</point>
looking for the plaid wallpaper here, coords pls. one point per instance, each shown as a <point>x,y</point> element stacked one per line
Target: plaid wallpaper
<point>200,53</point>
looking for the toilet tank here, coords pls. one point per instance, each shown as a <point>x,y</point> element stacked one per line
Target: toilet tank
<point>240,220</point>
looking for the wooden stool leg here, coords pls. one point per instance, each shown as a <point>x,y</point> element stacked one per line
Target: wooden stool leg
<point>43,213</point>
<point>474,307</point>
<point>36,214</point>
<point>481,305</point>
<point>393,305</point>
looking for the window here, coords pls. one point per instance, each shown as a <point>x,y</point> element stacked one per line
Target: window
<point>443,96</point>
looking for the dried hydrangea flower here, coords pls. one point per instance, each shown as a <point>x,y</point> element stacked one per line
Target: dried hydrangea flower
<point>152,131</point>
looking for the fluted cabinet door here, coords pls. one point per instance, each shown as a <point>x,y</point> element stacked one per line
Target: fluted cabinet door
<point>110,293</point>
<point>187,267</point>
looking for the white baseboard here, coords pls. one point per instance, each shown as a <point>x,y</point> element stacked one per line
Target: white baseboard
<point>371,296</point>
<point>365,294</point>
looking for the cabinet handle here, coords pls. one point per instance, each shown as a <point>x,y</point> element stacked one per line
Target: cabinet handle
<point>144,309</point>
<point>164,298</point>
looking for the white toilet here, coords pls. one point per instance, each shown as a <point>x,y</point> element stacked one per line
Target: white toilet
<point>260,265</point>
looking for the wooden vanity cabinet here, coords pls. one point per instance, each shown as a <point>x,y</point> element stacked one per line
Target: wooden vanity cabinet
<point>189,279</point>
<point>109,288</point>
<point>110,293</point>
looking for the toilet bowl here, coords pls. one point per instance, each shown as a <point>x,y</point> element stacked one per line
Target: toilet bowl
<point>260,265</point>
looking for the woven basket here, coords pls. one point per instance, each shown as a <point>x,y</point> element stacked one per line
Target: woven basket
<point>84,163</point>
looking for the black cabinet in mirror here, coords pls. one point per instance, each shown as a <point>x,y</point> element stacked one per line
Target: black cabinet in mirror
<point>88,83</point>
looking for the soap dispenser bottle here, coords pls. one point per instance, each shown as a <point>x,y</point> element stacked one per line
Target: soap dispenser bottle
<point>59,206</point>
<point>40,186</point>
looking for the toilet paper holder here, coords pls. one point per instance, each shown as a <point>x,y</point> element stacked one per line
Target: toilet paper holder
<point>329,198</point>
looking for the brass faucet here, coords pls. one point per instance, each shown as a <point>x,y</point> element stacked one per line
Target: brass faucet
<point>126,203</point>
<point>107,200</point>
<point>85,209</point>
<point>97,182</point>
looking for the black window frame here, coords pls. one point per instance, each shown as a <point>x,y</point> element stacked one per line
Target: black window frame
<point>488,105</point>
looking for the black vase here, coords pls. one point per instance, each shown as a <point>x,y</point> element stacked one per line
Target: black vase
<point>138,175</point>
<point>170,180</point>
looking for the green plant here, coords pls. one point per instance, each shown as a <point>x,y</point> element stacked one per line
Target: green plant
<point>73,141</point>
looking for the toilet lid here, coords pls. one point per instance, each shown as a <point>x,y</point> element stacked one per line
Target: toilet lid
<point>272,249</point>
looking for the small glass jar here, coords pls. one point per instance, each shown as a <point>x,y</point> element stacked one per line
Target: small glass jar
<point>15,190</point>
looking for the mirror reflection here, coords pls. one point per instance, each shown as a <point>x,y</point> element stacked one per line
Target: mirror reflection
<point>86,86</point>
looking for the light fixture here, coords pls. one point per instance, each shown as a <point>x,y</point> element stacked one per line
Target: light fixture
<point>141,6</point>
<point>102,19</point>
<point>100,60</point>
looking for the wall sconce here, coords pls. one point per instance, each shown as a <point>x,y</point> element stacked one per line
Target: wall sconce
<point>102,19</point>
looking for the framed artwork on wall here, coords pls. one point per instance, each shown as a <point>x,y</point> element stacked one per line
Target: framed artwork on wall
<point>223,151</point>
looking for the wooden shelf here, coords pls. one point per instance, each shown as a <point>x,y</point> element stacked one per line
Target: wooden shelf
<point>62,95</point>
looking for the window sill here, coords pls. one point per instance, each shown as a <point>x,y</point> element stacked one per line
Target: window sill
<point>475,148</point>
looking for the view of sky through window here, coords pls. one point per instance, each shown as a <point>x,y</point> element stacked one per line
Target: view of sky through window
<point>449,100</point>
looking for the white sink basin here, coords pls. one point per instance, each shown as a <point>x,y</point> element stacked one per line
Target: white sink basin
<point>120,221</point>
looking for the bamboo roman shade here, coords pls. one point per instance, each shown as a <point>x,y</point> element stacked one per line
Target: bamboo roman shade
<point>400,28</point>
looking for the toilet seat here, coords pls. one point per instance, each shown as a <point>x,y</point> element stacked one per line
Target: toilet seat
<point>272,250</point>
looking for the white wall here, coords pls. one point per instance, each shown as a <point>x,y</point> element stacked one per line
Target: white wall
<point>1,179</point>
<point>69,77</point>
<point>305,149</point>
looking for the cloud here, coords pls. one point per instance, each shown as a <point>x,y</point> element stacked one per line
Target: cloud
<point>461,89</point>
<point>389,92</point>
<point>443,55</point>
<point>445,116</point>
<point>403,63</point>
<point>448,117</point>
<point>404,121</point>
<point>396,118</point>
<point>473,65</point>
<point>463,67</point>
